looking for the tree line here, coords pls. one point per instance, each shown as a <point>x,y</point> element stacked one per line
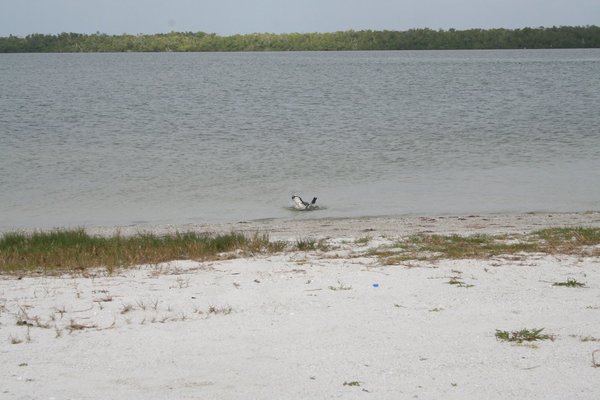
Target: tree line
<point>413,39</point>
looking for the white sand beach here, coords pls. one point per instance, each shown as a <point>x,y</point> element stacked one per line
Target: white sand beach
<point>333,324</point>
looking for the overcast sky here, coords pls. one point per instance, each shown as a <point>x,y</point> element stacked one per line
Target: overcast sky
<point>226,17</point>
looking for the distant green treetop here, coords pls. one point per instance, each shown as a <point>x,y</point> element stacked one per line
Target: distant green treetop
<point>413,39</point>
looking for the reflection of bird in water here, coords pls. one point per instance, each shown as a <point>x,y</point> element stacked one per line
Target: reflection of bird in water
<point>300,204</point>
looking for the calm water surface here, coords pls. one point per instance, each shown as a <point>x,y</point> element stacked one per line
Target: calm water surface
<point>102,139</point>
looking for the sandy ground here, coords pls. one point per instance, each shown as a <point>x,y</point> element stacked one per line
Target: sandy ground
<point>310,325</point>
<point>392,226</point>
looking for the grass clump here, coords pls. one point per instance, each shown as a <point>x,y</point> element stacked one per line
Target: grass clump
<point>460,247</point>
<point>434,247</point>
<point>216,310</point>
<point>568,239</point>
<point>363,241</point>
<point>569,283</point>
<point>524,335</point>
<point>74,250</point>
<point>455,280</point>
<point>340,286</point>
<point>308,244</point>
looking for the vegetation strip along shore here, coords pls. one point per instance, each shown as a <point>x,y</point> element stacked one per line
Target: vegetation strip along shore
<point>72,251</point>
<point>413,39</point>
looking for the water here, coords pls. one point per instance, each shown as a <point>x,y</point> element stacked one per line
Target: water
<point>102,139</point>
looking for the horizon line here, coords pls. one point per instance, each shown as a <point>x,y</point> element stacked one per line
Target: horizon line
<point>297,32</point>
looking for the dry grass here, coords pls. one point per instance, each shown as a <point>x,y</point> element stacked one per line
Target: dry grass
<point>216,310</point>
<point>577,241</point>
<point>74,251</point>
<point>61,251</point>
<point>309,244</point>
<point>456,281</point>
<point>340,286</point>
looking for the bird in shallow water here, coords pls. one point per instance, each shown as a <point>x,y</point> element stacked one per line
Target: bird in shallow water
<point>300,204</point>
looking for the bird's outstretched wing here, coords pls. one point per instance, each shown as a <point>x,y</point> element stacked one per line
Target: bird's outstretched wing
<point>299,203</point>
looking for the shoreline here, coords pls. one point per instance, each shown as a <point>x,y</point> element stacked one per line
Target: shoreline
<point>389,226</point>
<point>333,323</point>
<point>331,227</point>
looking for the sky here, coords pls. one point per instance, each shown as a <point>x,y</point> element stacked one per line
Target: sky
<point>227,17</point>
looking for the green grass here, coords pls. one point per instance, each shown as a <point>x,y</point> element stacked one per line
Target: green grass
<point>524,335</point>
<point>309,244</point>
<point>435,247</point>
<point>567,238</point>
<point>363,241</point>
<point>74,250</point>
<point>306,244</point>
<point>569,283</point>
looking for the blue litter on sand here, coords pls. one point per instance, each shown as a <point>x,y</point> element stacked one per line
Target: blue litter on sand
<point>376,285</point>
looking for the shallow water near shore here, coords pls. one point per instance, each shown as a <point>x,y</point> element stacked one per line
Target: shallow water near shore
<point>103,139</point>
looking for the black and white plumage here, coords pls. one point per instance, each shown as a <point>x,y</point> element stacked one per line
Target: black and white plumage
<point>300,204</point>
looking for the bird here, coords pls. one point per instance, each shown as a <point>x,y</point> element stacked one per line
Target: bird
<point>300,204</point>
